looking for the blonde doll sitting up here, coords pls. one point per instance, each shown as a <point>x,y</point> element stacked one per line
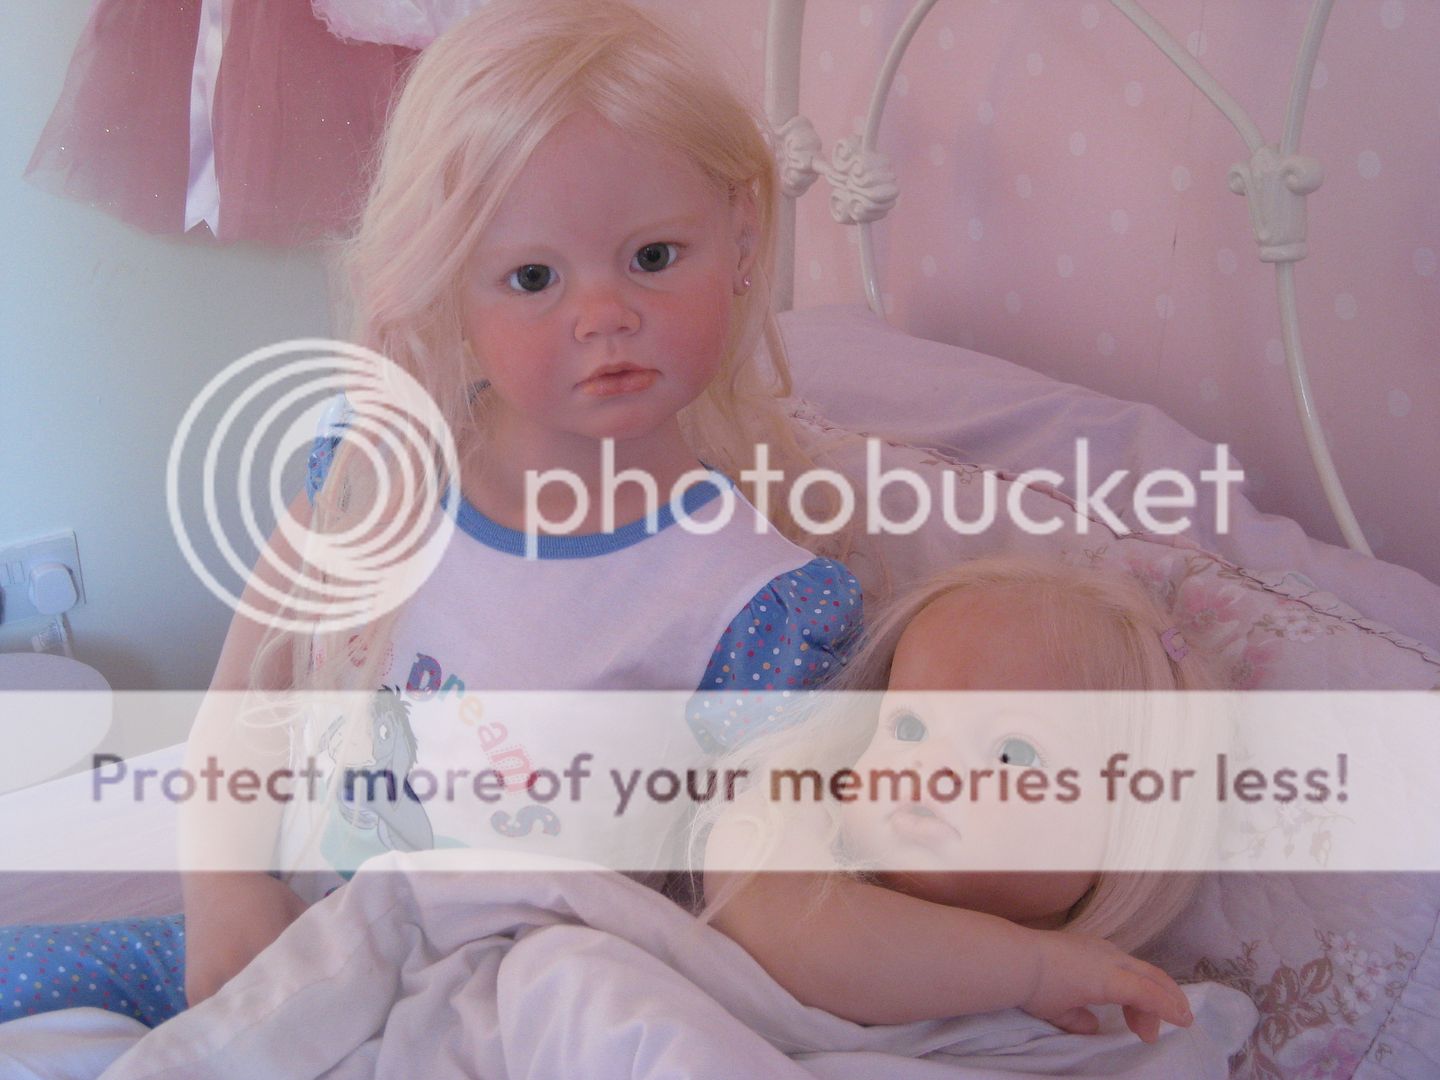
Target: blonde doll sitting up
<point>568,244</point>
<point>908,943</point>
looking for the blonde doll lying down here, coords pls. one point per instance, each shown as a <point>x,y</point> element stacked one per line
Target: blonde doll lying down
<point>896,945</point>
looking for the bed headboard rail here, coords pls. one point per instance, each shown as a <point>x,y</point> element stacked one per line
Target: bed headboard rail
<point>863,186</point>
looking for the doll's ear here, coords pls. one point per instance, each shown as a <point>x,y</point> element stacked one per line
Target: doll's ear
<point>473,371</point>
<point>745,229</point>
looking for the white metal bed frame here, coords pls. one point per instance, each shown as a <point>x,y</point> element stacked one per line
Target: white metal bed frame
<point>863,186</point>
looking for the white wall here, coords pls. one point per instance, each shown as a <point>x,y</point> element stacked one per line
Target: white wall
<point>108,332</point>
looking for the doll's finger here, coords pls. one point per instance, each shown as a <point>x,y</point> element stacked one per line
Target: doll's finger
<point>1163,978</point>
<point>1149,971</point>
<point>1165,999</point>
<point>1077,1021</point>
<point>1142,1023</point>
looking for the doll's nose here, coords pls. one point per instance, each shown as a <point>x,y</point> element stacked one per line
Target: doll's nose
<point>602,310</point>
<point>937,767</point>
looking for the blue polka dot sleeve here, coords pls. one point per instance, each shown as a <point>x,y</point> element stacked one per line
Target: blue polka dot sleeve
<point>790,637</point>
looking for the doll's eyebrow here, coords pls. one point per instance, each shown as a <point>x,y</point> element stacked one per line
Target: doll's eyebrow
<point>685,222</point>
<point>507,249</point>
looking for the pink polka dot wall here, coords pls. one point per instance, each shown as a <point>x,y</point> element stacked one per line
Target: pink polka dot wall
<point>1064,205</point>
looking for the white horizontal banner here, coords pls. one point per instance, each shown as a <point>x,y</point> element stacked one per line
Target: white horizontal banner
<point>944,782</point>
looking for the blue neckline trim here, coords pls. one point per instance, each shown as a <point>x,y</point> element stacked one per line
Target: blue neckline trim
<point>510,541</point>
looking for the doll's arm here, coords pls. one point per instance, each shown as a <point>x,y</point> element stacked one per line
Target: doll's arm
<point>231,916</point>
<point>875,956</point>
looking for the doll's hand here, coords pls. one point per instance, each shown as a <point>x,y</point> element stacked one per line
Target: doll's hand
<point>1076,970</point>
<point>229,919</point>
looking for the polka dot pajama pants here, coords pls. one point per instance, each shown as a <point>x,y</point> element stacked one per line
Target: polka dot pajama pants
<point>130,966</point>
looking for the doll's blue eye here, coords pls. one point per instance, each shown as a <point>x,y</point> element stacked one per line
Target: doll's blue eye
<point>1018,752</point>
<point>657,257</point>
<point>909,728</point>
<point>532,277</point>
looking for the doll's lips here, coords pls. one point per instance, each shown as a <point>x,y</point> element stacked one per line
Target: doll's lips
<point>916,821</point>
<point>619,379</point>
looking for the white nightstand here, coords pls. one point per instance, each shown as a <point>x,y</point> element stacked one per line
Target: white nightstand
<point>53,711</point>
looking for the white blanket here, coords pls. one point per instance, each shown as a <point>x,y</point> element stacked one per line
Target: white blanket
<point>440,972</point>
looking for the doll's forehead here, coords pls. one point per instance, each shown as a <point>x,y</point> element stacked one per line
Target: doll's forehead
<point>976,641</point>
<point>586,145</point>
<point>588,182</point>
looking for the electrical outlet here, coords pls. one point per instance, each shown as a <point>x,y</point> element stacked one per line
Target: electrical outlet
<point>18,560</point>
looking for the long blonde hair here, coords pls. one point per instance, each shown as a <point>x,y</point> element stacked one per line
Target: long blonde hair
<point>474,107</point>
<point>1099,626</point>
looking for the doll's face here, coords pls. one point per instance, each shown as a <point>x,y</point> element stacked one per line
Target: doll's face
<point>978,641</point>
<point>598,299</point>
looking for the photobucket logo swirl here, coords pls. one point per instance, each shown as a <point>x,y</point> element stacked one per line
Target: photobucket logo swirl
<point>345,578</point>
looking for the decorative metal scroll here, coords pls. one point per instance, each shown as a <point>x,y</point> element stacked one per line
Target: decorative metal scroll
<point>1275,180</point>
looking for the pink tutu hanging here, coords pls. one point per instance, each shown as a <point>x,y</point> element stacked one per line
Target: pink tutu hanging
<point>118,136</point>
<point>270,142</point>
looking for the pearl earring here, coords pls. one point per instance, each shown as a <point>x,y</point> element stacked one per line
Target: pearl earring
<point>744,285</point>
